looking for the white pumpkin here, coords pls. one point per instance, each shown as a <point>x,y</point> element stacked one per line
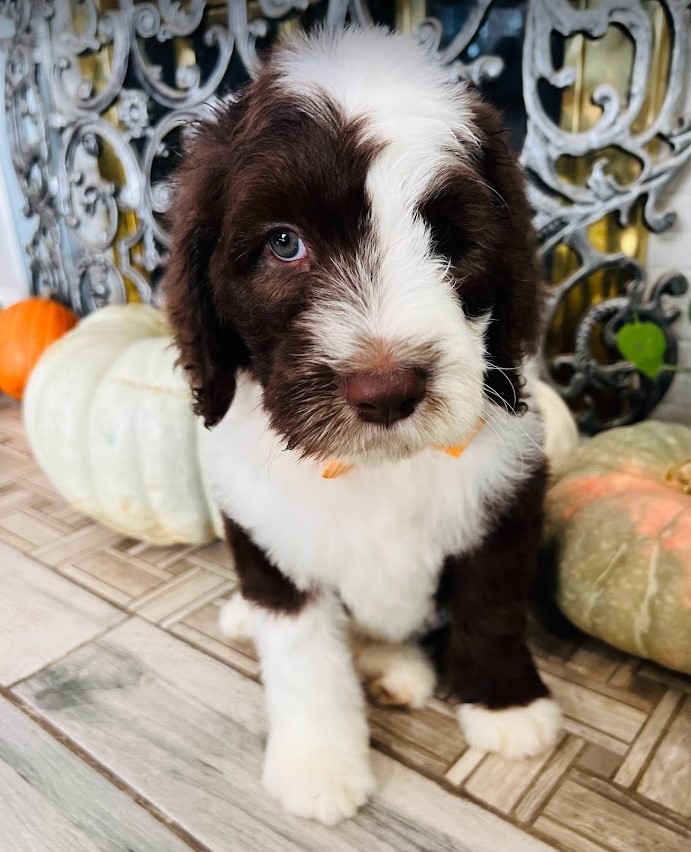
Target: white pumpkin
<point>107,415</point>
<point>561,432</point>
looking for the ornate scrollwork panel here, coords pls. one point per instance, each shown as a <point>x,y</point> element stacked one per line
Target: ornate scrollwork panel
<point>99,93</point>
<point>658,140</point>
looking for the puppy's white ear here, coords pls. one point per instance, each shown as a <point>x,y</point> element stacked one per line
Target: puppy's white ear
<point>210,349</point>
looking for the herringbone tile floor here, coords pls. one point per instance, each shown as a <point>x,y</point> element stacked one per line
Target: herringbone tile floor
<point>619,778</point>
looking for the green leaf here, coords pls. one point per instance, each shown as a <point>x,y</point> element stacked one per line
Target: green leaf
<point>643,344</point>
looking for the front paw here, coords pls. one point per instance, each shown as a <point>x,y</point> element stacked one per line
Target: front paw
<point>325,782</point>
<point>235,619</point>
<point>396,675</point>
<point>516,732</point>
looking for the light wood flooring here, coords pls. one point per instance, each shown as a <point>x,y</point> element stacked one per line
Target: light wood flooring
<point>128,723</point>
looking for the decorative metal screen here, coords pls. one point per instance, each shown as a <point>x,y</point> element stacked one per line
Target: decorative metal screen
<point>98,94</point>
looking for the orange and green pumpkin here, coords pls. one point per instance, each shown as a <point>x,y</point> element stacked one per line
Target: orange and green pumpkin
<point>619,518</point>
<point>27,329</point>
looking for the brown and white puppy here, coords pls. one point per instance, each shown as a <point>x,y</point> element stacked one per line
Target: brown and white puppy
<point>353,276</point>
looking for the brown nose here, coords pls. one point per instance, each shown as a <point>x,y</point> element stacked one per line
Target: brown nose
<point>385,397</point>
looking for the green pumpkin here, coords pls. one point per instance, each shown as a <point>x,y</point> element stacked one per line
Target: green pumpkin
<point>619,518</point>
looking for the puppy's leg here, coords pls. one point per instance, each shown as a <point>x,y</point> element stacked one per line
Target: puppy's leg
<point>235,619</point>
<point>394,675</point>
<point>505,707</point>
<point>317,760</point>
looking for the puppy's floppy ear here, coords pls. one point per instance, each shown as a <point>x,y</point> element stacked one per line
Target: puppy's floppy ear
<point>514,273</point>
<point>210,350</point>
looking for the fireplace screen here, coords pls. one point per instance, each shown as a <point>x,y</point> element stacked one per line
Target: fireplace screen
<point>595,93</point>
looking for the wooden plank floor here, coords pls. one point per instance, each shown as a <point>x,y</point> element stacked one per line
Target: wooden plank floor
<point>128,722</point>
<point>53,800</point>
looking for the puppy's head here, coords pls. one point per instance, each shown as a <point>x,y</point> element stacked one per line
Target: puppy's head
<point>354,232</point>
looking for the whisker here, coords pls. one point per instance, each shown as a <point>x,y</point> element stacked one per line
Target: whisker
<point>533,441</point>
<point>499,196</point>
<point>504,371</point>
<point>496,427</point>
<point>491,392</point>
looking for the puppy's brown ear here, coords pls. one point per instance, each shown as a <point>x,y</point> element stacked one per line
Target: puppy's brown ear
<point>210,349</point>
<point>515,272</point>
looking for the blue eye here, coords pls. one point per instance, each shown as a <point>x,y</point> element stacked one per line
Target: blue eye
<point>286,245</point>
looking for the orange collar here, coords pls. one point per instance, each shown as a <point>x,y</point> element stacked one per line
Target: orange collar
<point>335,468</point>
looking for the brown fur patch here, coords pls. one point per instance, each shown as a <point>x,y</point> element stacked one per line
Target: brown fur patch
<point>270,159</point>
<point>482,222</point>
<point>260,581</point>
<point>486,658</point>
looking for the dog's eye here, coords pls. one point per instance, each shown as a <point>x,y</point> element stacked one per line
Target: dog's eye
<point>286,245</point>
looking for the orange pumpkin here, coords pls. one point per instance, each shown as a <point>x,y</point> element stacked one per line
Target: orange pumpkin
<point>27,329</point>
<point>620,521</point>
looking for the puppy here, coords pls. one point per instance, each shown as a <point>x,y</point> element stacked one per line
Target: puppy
<point>353,288</point>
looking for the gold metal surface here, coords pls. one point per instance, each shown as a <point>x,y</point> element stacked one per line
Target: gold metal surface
<point>410,13</point>
<point>597,61</point>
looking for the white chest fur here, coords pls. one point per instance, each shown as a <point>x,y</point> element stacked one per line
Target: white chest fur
<point>376,536</point>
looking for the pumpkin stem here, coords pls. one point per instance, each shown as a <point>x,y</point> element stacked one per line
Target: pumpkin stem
<point>679,476</point>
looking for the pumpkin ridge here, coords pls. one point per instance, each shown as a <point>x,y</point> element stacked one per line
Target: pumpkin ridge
<point>643,618</point>
<point>45,328</point>
<point>598,584</point>
<point>150,387</point>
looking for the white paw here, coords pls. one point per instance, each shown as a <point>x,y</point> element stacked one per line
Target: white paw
<point>516,732</point>
<point>327,783</point>
<point>235,619</point>
<point>396,675</point>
